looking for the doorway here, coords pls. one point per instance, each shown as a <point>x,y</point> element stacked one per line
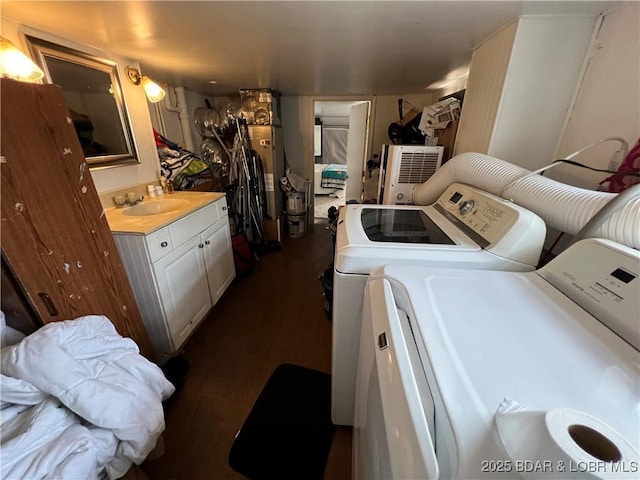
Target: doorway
<point>341,134</point>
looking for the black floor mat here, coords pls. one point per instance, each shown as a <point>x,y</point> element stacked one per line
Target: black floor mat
<point>288,432</point>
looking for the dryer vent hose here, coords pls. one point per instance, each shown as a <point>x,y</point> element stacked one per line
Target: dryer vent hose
<point>561,206</point>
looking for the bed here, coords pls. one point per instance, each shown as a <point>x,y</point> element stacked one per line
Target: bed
<point>329,178</point>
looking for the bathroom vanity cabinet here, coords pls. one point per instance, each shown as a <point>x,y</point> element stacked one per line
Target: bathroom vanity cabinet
<point>178,270</point>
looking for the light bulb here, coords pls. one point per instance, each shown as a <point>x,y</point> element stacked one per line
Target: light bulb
<point>15,64</point>
<point>154,92</point>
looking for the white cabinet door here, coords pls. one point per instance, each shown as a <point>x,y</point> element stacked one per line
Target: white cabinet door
<point>218,257</point>
<point>182,282</point>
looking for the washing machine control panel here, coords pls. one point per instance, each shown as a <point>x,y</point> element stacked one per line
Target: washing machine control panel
<point>603,278</point>
<point>466,206</point>
<point>475,211</point>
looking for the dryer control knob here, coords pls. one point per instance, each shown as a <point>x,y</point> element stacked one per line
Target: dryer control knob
<point>466,207</point>
<point>400,196</point>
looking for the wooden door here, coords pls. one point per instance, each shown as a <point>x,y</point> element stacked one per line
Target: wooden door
<point>357,139</point>
<point>55,238</point>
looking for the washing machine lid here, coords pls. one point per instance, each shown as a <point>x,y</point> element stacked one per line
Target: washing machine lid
<point>357,254</point>
<point>465,228</point>
<point>483,336</point>
<point>402,225</point>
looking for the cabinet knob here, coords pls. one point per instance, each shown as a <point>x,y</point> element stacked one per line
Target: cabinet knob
<point>207,242</point>
<point>224,208</point>
<point>164,244</point>
<point>201,246</point>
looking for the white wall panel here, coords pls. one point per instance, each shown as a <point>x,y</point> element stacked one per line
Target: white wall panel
<point>608,99</point>
<point>484,91</point>
<point>545,64</point>
<point>297,131</point>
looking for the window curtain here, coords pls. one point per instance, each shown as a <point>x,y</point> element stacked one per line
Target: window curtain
<point>334,145</point>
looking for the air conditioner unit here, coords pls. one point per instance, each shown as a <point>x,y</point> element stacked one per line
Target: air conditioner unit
<point>403,168</point>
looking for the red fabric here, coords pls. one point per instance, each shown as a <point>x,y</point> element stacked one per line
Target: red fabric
<point>158,138</point>
<point>242,255</point>
<point>631,164</point>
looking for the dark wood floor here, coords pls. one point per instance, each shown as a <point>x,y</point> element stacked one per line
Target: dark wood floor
<point>273,316</point>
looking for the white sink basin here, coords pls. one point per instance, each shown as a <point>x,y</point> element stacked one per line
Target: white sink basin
<point>155,207</point>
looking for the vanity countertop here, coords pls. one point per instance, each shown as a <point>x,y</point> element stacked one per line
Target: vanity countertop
<point>120,222</point>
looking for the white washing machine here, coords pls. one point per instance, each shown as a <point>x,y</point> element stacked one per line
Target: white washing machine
<point>442,349</point>
<point>465,228</point>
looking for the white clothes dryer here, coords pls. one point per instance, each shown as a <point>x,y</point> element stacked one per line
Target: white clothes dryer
<point>465,228</point>
<point>445,353</point>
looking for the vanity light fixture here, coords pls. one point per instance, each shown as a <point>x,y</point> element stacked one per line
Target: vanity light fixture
<point>15,64</point>
<point>154,92</point>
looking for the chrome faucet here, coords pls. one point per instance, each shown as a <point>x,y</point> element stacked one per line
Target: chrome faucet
<point>127,200</point>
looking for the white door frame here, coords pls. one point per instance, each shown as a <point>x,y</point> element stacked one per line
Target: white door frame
<point>359,118</point>
<point>350,98</point>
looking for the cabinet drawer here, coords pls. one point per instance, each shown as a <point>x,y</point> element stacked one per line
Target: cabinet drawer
<point>159,243</point>
<point>193,224</point>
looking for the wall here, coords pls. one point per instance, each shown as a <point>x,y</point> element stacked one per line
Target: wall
<point>607,100</point>
<point>520,86</point>
<point>110,178</point>
<point>484,88</point>
<point>297,129</point>
<point>194,101</point>
<point>544,68</point>
<point>164,121</point>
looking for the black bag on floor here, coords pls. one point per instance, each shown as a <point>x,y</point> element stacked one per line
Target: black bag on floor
<point>327,285</point>
<point>175,370</point>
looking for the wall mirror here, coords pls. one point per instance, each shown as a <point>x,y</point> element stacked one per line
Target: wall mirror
<point>91,87</point>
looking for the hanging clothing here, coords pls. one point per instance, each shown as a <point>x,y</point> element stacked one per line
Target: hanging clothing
<point>181,167</point>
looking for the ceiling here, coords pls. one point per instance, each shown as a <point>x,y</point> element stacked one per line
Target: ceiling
<point>324,48</point>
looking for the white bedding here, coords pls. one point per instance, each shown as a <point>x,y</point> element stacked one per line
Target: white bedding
<point>78,401</point>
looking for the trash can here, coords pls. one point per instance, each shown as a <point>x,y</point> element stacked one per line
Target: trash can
<point>296,203</point>
<point>296,225</point>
